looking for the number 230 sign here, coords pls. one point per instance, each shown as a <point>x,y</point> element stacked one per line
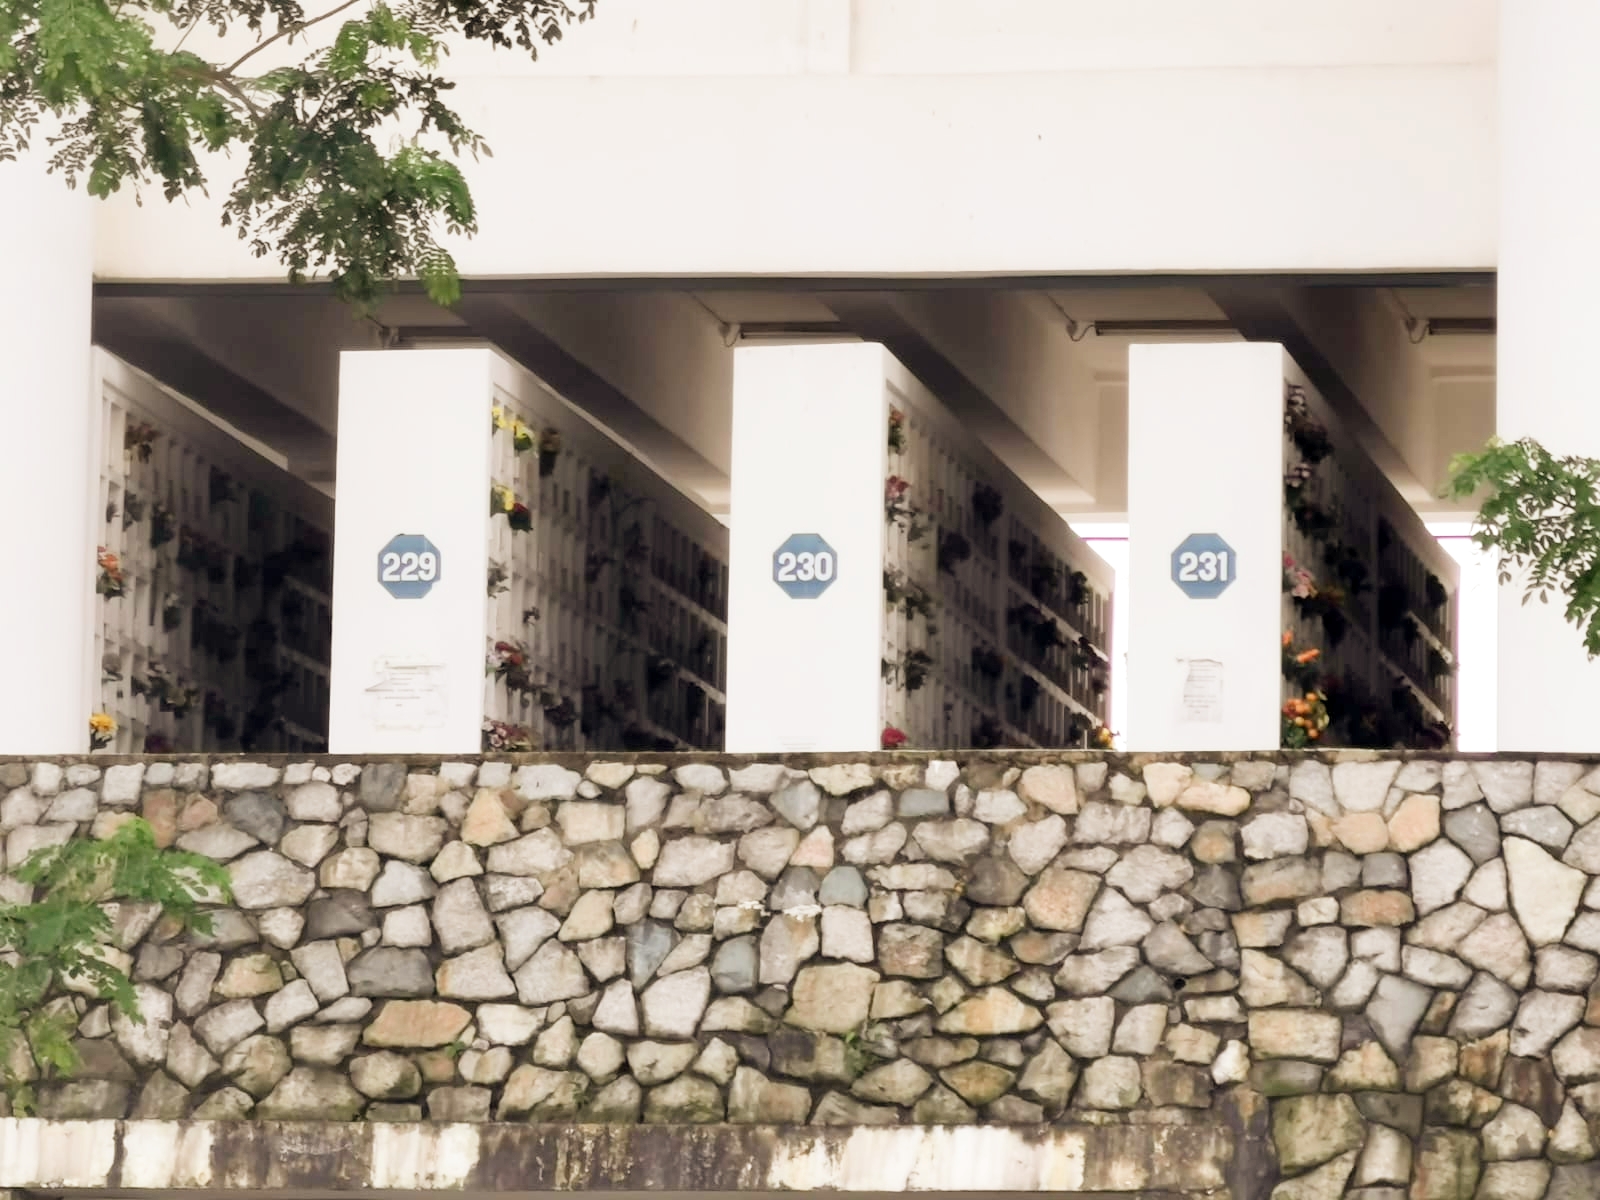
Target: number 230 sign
<point>1203,566</point>
<point>805,566</point>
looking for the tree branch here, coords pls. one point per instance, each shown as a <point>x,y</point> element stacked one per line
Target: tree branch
<point>287,33</point>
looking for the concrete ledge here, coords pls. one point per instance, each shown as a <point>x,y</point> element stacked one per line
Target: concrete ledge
<point>131,1157</point>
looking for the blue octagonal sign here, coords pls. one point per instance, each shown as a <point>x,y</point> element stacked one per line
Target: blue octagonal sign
<point>409,565</point>
<point>1204,565</point>
<point>805,566</point>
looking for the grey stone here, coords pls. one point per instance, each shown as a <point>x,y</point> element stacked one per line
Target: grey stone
<point>478,974</point>
<point>552,973</point>
<point>1083,1027</point>
<point>921,802</point>
<point>955,841</point>
<point>322,966</point>
<point>692,861</point>
<point>266,879</point>
<point>673,1005</point>
<point>1113,921</point>
<point>733,970</point>
<point>388,971</point>
<point>1217,887</point>
<point>1566,970</point>
<point>1033,845</point>
<point>1383,870</point>
<point>1274,835</point>
<point>1544,893</point>
<point>648,945</point>
<point>1145,872</point>
<point>1486,1005</point>
<point>339,914</point>
<point>1168,950</point>
<point>765,851</point>
<point>1542,1018</point>
<point>1320,954</point>
<point>1110,1083</point>
<point>400,884</point>
<point>256,813</point>
<point>1100,823</point>
<point>1506,785</point>
<point>385,1075</point>
<point>842,885</point>
<point>1498,946</point>
<point>787,942</point>
<point>536,853</point>
<point>1093,974</point>
<point>1396,1008</point>
<point>1546,825</point>
<point>798,804</point>
<point>736,813</point>
<point>1438,873</point>
<point>523,931</point>
<point>226,1025</point>
<point>1475,830</point>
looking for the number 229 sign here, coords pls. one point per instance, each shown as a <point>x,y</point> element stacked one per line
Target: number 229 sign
<point>409,565</point>
<point>805,566</point>
<point>1203,566</point>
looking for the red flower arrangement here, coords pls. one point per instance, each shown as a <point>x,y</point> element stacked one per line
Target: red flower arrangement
<point>892,738</point>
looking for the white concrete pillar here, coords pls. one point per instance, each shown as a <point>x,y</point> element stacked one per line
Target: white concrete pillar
<point>1205,468</point>
<point>1549,311</point>
<point>413,462</point>
<point>47,483</point>
<point>809,458</point>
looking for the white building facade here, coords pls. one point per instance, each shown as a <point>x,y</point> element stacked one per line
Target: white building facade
<point>1006,197</point>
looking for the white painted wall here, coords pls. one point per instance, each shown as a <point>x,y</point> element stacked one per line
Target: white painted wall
<point>50,419</point>
<point>809,456</point>
<point>816,137</point>
<point>393,481</point>
<point>1205,453</point>
<point>1548,313</point>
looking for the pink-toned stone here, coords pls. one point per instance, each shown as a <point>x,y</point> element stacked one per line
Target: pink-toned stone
<point>1415,823</point>
<point>1365,832</point>
<point>417,1024</point>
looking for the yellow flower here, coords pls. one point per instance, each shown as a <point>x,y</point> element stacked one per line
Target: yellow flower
<point>102,723</point>
<point>504,498</point>
<point>498,416</point>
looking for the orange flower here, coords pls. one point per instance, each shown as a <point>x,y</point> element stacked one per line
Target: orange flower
<point>1288,636</point>
<point>1306,656</point>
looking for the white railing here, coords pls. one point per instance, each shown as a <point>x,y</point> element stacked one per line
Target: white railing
<point>608,590</point>
<point>998,628</point>
<point>219,636</point>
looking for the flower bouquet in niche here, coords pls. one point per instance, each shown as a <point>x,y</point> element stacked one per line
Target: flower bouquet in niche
<point>509,661</point>
<point>139,439</point>
<point>102,729</point>
<point>171,611</point>
<point>502,737</point>
<point>897,431</point>
<point>112,581</point>
<point>132,509</point>
<point>163,525</point>
<point>892,738</point>
<point>549,451</point>
<point>987,504</point>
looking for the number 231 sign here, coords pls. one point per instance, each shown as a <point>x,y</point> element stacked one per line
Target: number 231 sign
<point>1203,566</point>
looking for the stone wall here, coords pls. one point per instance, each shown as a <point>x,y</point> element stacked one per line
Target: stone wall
<point>1379,972</point>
